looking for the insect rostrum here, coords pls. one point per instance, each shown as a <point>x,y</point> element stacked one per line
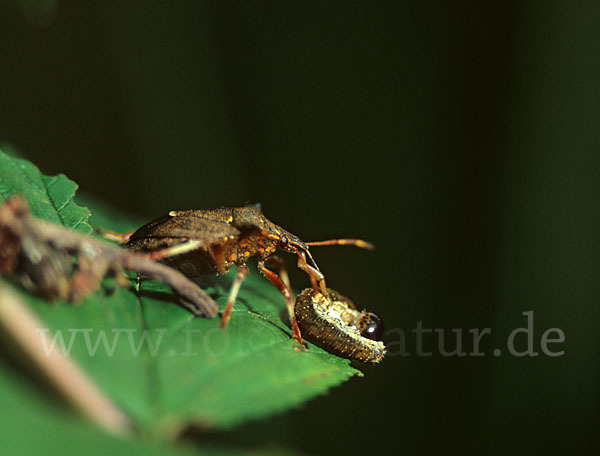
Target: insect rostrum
<point>198,242</point>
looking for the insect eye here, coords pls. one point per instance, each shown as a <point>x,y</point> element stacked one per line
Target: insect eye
<point>283,241</point>
<point>373,328</point>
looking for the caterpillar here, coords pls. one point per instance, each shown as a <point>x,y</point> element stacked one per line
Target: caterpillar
<point>334,323</point>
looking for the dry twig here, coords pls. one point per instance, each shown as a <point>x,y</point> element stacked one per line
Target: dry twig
<point>38,253</point>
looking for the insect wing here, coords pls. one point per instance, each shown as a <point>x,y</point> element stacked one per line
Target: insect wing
<point>223,215</point>
<point>186,226</point>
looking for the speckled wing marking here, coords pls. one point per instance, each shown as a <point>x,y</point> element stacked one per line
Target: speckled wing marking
<point>185,226</point>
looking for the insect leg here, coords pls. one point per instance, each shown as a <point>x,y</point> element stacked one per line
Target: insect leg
<point>316,277</point>
<point>235,288</point>
<point>278,263</point>
<point>286,291</point>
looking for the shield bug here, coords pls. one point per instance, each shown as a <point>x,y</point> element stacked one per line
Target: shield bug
<point>198,242</point>
<point>333,322</point>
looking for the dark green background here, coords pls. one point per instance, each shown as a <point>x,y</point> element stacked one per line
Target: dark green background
<point>462,139</point>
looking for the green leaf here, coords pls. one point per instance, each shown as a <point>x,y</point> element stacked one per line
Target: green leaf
<point>38,426</point>
<point>161,365</point>
<point>49,197</point>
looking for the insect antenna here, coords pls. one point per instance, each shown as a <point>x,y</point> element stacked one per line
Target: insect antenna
<point>355,242</point>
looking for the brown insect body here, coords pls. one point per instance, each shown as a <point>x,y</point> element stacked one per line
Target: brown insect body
<point>225,237</point>
<point>334,323</point>
<point>198,242</point>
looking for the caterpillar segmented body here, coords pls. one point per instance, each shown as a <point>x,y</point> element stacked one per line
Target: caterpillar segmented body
<point>334,323</point>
